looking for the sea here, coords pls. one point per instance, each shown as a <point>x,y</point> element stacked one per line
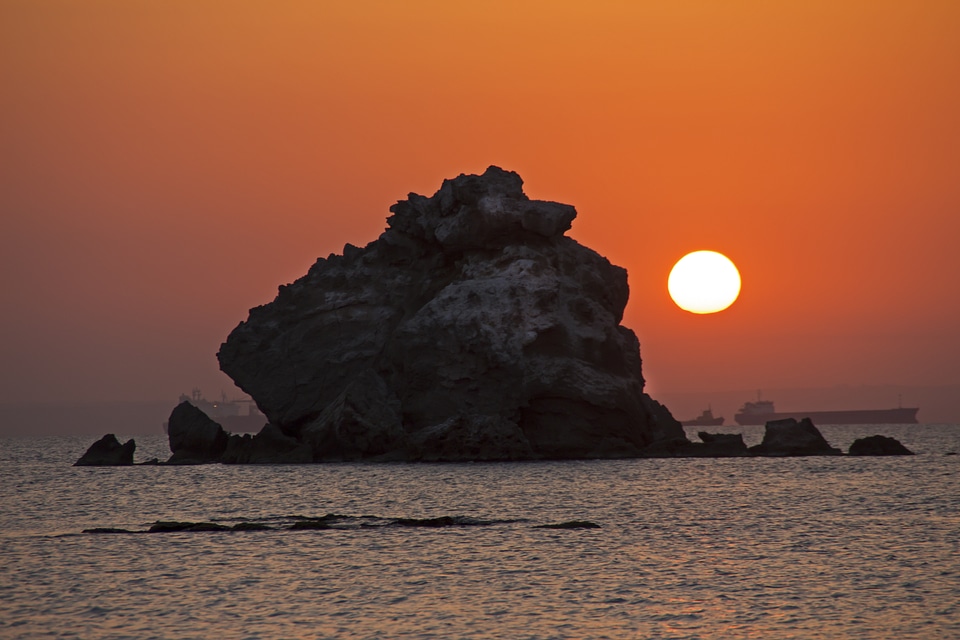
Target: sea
<point>818,547</point>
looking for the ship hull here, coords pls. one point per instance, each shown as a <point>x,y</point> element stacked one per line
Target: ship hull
<point>900,415</point>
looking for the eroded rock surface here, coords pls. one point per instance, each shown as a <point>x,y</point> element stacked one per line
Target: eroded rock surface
<point>472,329</point>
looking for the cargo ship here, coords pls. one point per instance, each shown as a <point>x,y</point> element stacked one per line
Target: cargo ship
<point>762,411</point>
<point>233,415</point>
<point>705,419</point>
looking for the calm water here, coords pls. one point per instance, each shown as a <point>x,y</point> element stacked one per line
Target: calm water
<point>735,548</point>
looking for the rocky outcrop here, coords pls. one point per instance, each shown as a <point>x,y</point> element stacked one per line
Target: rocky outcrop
<point>194,438</point>
<point>108,452</point>
<point>792,438</point>
<point>472,329</point>
<point>878,446</point>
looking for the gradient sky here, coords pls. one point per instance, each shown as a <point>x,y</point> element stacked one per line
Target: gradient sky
<point>165,165</point>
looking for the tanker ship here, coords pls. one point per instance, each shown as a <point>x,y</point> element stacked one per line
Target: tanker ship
<point>232,415</point>
<point>762,411</point>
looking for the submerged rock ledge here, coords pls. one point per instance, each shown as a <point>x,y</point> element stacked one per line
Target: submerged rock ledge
<point>330,521</point>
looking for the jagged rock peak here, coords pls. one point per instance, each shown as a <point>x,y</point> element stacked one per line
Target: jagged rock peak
<point>478,212</point>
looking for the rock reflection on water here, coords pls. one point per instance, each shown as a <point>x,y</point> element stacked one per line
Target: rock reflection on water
<point>693,548</point>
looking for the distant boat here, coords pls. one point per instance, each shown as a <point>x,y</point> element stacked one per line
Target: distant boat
<point>233,415</point>
<point>762,411</point>
<point>705,419</point>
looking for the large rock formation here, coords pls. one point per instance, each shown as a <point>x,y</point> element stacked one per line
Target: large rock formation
<point>473,328</point>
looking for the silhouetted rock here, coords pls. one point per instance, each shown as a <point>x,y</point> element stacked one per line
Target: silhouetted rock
<point>472,329</point>
<point>878,446</point>
<point>792,438</point>
<point>723,444</point>
<point>108,452</point>
<point>194,437</point>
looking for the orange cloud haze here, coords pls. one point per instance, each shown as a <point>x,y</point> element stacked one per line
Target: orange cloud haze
<point>165,165</point>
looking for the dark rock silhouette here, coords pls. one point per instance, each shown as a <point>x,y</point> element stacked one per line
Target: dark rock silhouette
<point>792,438</point>
<point>878,446</point>
<point>194,437</point>
<point>107,451</point>
<point>472,329</point>
<point>723,444</point>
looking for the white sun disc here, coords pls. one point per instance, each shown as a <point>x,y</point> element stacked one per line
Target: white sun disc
<point>704,282</point>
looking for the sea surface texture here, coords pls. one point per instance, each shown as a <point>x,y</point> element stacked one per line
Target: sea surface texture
<point>829,547</point>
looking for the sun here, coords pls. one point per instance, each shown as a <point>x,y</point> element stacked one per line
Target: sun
<point>704,282</point>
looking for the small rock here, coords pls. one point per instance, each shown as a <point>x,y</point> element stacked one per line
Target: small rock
<point>107,451</point>
<point>194,437</point>
<point>878,446</point>
<point>792,438</point>
<point>723,444</point>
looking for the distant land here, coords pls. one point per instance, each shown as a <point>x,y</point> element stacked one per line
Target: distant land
<point>938,405</point>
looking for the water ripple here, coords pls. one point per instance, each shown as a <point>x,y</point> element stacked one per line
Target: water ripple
<point>735,548</point>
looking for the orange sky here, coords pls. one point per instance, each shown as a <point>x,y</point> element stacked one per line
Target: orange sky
<point>165,165</point>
